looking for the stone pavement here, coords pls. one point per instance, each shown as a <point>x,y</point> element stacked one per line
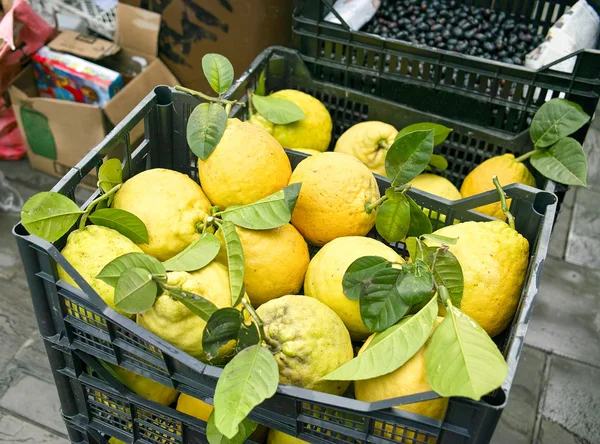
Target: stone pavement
<point>556,392</point>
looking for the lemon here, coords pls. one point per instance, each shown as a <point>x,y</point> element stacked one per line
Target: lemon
<point>247,165</point>
<point>306,151</point>
<point>335,189</point>
<point>409,379</point>
<point>89,250</point>
<point>312,132</point>
<point>174,322</point>
<point>275,262</point>
<point>480,180</point>
<point>438,186</point>
<point>368,142</point>
<point>493,258</point>
<point>277,437</point>
<point>308,340</point>
<point>145,387</point>
<point>194,407</point>
<point>326,271</point>
<point>170,204</point>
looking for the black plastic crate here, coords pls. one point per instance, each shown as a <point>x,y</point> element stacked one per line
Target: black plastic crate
<point>79,320</point>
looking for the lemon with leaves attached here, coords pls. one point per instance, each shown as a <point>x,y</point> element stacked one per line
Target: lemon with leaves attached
<point>246,165</point>
<point>368,142</point>
<point>508,171</point>
<point>336,188</point>
<point>170,204</point>
<point>145,387</point>
<point>89,250</point>
<point>326,271</point>
<point>174,322</point>
<point>494,259</point>
<point>308,341</point>
<point>312,132</point>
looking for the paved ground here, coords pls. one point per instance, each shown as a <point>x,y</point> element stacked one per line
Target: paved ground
<point>556,394</point>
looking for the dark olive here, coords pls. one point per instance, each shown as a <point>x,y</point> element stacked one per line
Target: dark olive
<point>506,60</point>
<point>488,46</point>
<point>469,34</point>
<point>457,32</point>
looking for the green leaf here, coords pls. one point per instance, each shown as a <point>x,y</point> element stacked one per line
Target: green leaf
<point>126,223</point>
<point>276,110</point>
<point>248,336</point>
<point>447,272</point>
<point>393,218</point>
<point>218,71</point>
<point>419,221</point>
<point>49,215</point>
<point>115,268</point>
<point>251,377</point>
<point>235,261</point>
<point>438,239</point>
<point>564,162</point>
<point>222,327</point>
<point>380,304</point>
<point>270,212</point>
<point>415,283</point>
<point>197,255</point>
<point>205,128</point>
<point>200,306</point>
<point>390,349</point>
<point>554,120</point>
<point>462,360</point>
<point>246,428</point>
<point>440,132</point>
<point>411,246</point>
<point>110,175</point>
<point>438,161</point>
<point>408,156</point>
<point>135,291</point>
<point>359,272</point>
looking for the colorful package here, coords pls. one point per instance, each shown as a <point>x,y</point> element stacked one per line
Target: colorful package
<point>67,77</point>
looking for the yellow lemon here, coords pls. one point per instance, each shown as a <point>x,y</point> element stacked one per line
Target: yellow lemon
<point>89,250</point>
<point>194,407</point>
<point>335,189</point>
<point>437,185</point>
<point>305,151</point>
<point>308,340</point>
<point>277,437</point>
<point>480,179</point>
<point>170,204</point>
<point>312,132</point>
<point>247,165</point>
<point>326,271</point>
<point>368,142</point>
<point>145,387</point>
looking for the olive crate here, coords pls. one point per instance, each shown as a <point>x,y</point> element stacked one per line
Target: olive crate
<point>76,320</point>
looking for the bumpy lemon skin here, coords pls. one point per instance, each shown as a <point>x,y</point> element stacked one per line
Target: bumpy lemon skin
<point>145,387</point>
<point>326,271</point>
<point>170,204</point>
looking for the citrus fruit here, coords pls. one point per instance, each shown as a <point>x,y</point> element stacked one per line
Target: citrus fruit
<point>480,179</point>
<point>170,204</point>
<point>275,262</point>
<point>312,132</point>
<point>306,151</point>
<point>194,407</point>
<point>493,258</point>
<point>89,250</point>
<point>145,387</point>
<point>308,341</point>
<point>368,142</point>
<point>174,322</point>
<point>326,271</point>
<point>335,189</point>
<point>247,165</point>
<point>277,437</point>
<point>438,186</point>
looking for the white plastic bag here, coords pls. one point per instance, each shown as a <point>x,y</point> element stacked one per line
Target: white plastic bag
<point>10,199</point>
<point>354,12</point>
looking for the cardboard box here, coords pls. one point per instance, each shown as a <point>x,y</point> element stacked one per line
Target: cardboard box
<point>237,29</point>
<point>59,133</point>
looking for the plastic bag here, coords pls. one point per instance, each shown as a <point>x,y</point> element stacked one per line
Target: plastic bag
<point>10,199</point>
<point>354,12</point>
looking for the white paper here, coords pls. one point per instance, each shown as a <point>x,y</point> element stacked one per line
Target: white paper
<point>354,12</point>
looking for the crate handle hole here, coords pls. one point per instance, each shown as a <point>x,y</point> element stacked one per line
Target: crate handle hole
<point>543,201</point>
<point>163,95</point>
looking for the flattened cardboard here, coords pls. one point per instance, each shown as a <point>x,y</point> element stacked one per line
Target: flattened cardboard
<point>86,46</point>
<point>137,30</point>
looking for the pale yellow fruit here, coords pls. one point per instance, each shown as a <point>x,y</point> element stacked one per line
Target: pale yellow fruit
<point>437,185</point>
<point>194,407</point>
<point>247,165</point>
<point>277,437</point>
<point>480,180</point>
<point>368,142</point>
<point>88,251</point>
<point>310,341</point>
<point>312,132</point>
<point>326,271</point>
<point>493,258</point>
<point>174,322</point>
<point>275,262</point>
<point>409,379</point>
<point>309,152</point>
<point>335,189</point>
<point>170,204</point>
<point>145,387</point>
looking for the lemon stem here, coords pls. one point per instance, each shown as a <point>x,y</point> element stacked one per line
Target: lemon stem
<point>525,156</point>
<point>383,145</point>
<point>249,93</point>
<point>95,202</point>
<point>503,205</point>
<point>207,98</point>
<point>259,324</point>
<point>444,295</point>
<point>372,206</point>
